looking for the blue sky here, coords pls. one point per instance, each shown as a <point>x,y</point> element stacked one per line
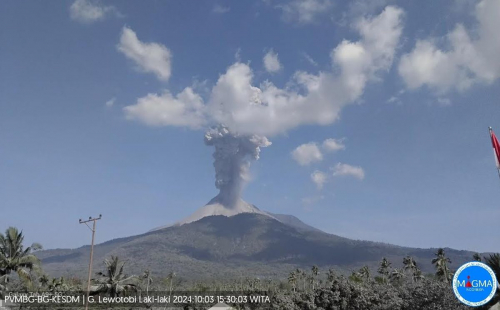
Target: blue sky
<point>103,107</point>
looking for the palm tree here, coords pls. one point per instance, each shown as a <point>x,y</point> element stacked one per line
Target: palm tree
<point>15,258</point>
<point>364,273</point>
<point>384,269</point>
<point>441,262</point>
<point>355,277</point>
<point>494,262</point>
<point>113,281</point>
<point>476,257</point>
<point>397,275</point>
<point>147,275</point>
<point>315,272</point>
<point>411,265</point>
<point>300,276</point>
<point>292,279</point>
<point>44,281</point>
<point>417,275</point>
<point>330,276</point>
<point>171,276</point>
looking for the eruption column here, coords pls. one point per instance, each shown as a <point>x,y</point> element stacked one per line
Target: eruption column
<point>233,154</point>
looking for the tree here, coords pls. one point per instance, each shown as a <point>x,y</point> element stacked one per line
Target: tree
<point>364,273</point>
<point>361,275</point>
<point>310,280</point>
<point>493,261</point>
<point>355,277</point>
<point>411,265</point>
<point>384,269</point>
<point>331,276</point>
<point>4,280</point>
<point>58,285</point>
<point>113,281</point>
<point>170,277</point>
<point>292,279</point>
<point>441,262</point>
<point>147,276</point>
<point>15,258</point>
<point>44,280</point>
<point>476,257</point>
<point>417,275</point>
<point>301,276</point>
<point>397,275</point>
<point>315,272</point>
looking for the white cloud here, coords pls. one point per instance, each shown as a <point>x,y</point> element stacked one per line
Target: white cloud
<point>304,11</point>
<point>393,99</point>
<point>271,62</point>
<point>310,59</point>
<point>316,99</point>
<point>219,9</point>
<point>348,170</point>
<point>468,61</point>
<point>306,154</point>
<point>319,178</point>
<point>149,57</point>
<point>309,99</point>
<point>333,145</point>
<point>110,102</point>
<point>86,11</point>
<point>366,7</point>
<point>397,97</point>
<point>184,110</point>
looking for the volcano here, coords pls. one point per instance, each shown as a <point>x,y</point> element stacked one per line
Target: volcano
<point>248,243</point>
<point>217,206</point>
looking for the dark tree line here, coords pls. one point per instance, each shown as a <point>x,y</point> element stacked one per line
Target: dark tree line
<point>389,288</point>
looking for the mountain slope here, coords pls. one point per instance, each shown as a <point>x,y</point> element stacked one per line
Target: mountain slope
<point>247,243</point>
<point>218,206</point>
<point>293,221</point>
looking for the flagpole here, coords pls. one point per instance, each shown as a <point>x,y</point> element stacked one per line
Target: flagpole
<point>491,137</point>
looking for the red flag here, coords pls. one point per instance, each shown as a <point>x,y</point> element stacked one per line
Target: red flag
<point>496,148</point>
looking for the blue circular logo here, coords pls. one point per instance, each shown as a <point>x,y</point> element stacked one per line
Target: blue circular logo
<point>474,284</point>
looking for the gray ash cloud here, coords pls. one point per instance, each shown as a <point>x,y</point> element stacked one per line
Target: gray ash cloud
<point>232,158</point>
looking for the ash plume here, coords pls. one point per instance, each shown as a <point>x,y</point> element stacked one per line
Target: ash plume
<point>232,157</point>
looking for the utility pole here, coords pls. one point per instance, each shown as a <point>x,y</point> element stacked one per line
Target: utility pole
<point>91,253</point>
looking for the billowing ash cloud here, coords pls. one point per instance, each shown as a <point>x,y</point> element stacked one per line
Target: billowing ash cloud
<point>233,154</point>
<point>252,111</point>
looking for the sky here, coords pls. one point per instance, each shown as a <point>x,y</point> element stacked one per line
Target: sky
<point>377,111</point>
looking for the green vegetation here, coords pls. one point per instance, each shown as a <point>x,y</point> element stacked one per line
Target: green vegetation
<point>405,288</point>
<point>113,281</point>
<point>394,288</point>
<point>15,258</point>
<point>441,262</point>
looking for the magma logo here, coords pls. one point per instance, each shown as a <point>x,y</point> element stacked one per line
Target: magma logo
<point>474,284</point>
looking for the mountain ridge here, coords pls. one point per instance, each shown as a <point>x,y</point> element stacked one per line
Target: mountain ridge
<point>220,246</point>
